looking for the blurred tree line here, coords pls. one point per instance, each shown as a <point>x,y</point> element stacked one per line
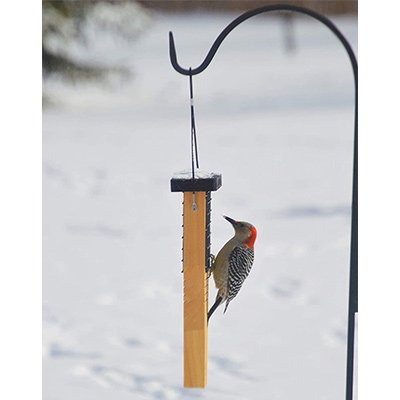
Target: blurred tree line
<point>63,26</point>
<point>64,23</point>
<point>322,6</point>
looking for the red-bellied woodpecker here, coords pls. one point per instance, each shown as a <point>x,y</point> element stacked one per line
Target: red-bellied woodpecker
<point>233,263</point>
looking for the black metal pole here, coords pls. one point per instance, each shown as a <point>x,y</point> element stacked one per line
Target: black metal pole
<point>353,278</point>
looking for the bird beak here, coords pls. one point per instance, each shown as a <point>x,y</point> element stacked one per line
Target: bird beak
<point>232,221</point>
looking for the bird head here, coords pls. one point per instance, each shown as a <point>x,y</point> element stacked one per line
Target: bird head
<point>244,231</point>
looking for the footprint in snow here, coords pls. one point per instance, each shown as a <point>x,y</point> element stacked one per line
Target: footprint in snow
<point>96,230</point>
<point>57,175</point>
<point>90,183</point>
<point>285,287</point>
<point>110,377</point>
<point>57,351</point>
<point>336,335</point>
<point>230,367</point>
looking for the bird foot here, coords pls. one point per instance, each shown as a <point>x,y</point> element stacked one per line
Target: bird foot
<point>211,263</point>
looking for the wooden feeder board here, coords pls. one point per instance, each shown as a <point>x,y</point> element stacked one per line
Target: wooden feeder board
<point>196,259</point>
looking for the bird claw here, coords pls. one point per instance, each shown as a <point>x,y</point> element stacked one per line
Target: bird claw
<point>211,263</point>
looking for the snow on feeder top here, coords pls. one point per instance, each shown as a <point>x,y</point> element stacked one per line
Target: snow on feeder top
<point>203,181</point>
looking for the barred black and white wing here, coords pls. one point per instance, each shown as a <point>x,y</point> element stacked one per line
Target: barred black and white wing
<point>240,263</point>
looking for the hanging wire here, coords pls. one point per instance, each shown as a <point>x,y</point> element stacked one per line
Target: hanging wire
<point>193,136</point>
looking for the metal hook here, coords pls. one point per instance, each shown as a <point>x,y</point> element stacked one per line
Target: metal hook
<point>243,17</point>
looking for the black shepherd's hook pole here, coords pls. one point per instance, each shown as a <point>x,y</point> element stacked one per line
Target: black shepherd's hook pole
<point>353,288</point>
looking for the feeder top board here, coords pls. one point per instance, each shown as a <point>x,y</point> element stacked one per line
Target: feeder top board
<point>203,181</point>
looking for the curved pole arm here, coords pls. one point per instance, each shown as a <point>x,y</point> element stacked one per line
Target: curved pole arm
<point>245,16</point>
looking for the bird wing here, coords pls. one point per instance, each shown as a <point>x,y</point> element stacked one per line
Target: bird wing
<point>240,263</point>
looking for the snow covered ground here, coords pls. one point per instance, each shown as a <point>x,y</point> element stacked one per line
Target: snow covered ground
<point>278,125</point>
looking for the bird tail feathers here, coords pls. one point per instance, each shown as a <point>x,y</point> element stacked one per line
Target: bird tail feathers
<point>226,306</point>
<point>214,307</point>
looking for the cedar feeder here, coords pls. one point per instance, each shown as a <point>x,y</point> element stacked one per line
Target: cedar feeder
<point>196,263</point>
<point>197,187</point>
